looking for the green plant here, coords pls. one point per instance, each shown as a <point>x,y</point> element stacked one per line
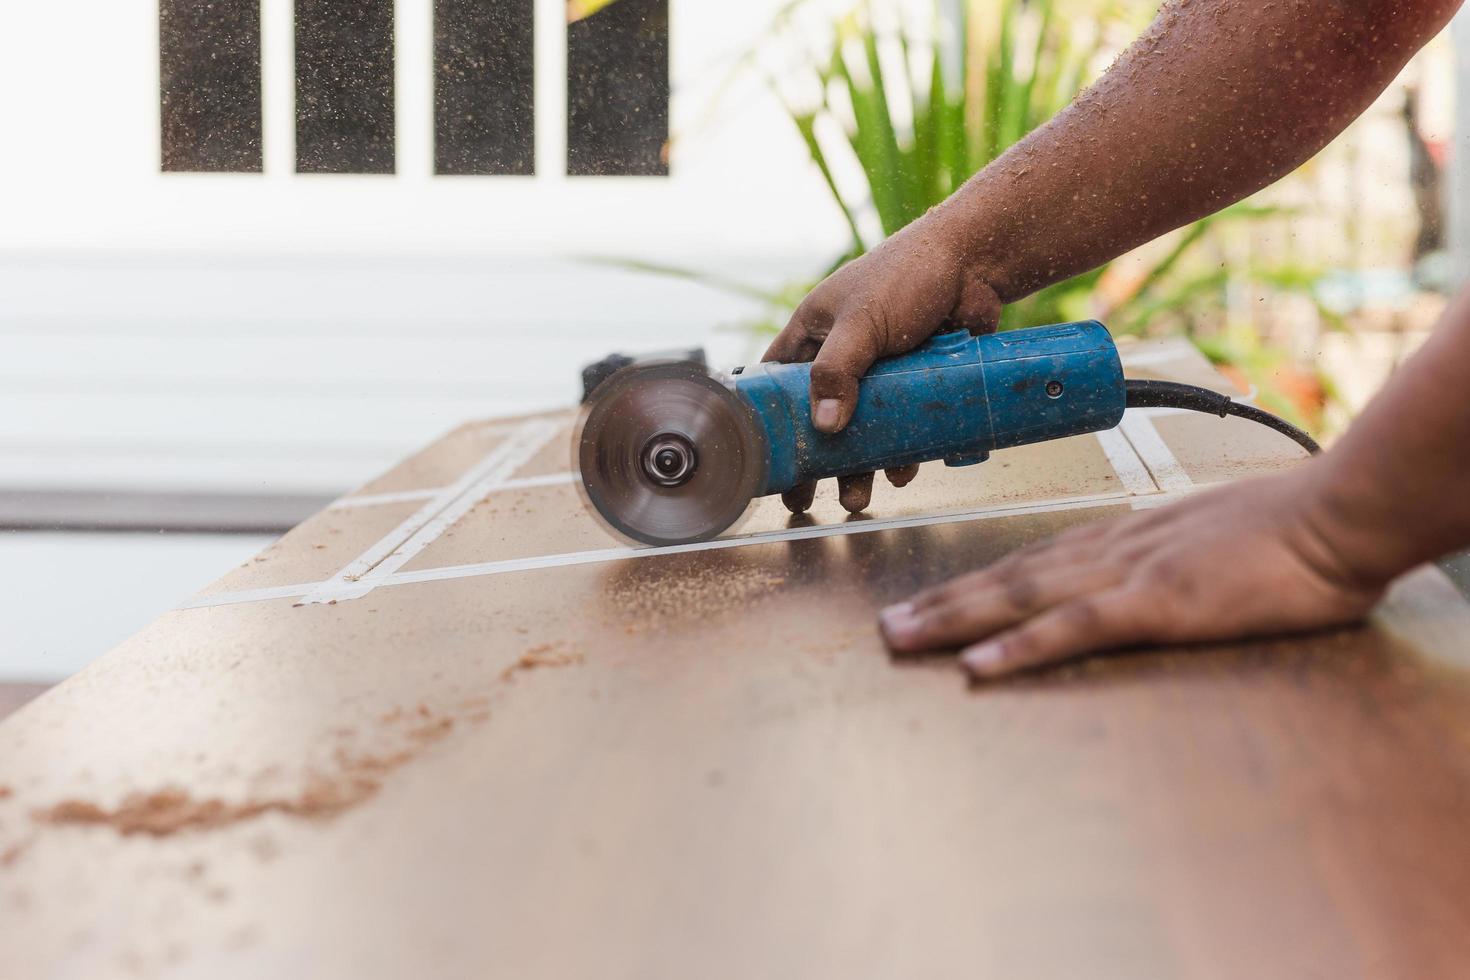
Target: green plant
<point>898,110</point>
<point>921,105</point>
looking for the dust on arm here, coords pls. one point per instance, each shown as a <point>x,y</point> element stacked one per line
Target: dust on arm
<point>1217,99</point>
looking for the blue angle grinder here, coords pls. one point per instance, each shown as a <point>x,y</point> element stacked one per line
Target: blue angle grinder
<point>670,453</point>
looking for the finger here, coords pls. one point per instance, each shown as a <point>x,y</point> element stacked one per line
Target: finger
<point>1116,618</point>
<point>847,353</point>
<point>791,350</point>
<point>796,343</point>
<point>1070,549</point>
<point>790,347</point>
<point>977,614</point>
<point>798,499</point>
<point>855,492</point>
<point>901,476</point>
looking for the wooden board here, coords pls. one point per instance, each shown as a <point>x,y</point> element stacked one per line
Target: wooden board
<point>511,747</point>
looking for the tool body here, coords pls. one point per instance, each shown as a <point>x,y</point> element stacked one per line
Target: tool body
<point>955,398</point>
<point>668,453</point>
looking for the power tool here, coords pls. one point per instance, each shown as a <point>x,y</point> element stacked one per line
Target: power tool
<point>670,453</point>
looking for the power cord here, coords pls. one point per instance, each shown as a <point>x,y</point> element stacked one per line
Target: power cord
<point>1172,394</point>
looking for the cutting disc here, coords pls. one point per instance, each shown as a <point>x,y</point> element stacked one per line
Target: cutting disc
<point>666,453</point>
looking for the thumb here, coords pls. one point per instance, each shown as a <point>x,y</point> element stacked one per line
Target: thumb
<point>847,353</point>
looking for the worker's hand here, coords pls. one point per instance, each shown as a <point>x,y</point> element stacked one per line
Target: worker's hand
<point>1252,559</point>
<point>887,302</point>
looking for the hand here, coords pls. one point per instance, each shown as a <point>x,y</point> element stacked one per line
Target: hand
<point>1250,559</point>
<point>884,303</point>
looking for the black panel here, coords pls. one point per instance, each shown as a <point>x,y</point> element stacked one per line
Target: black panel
<point>618,89</point>
<point>344,86</point>
<point>484,87</point>
<point>209,85</point>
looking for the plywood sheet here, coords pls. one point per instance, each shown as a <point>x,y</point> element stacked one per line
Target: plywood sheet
<point>587,760</point>
<point>317,547</point>
<point>550,519</point>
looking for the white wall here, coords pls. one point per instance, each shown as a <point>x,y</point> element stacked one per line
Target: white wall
<point>287,332</point>
<point>282,333</point>
<point>80,166</point>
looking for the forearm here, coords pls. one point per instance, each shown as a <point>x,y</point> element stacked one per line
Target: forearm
<point>1395,491</point>
<point>1216,100</point>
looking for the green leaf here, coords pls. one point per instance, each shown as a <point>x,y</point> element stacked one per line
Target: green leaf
<point>925,154</point>
<point>1016,113</point>
<point>998,82</point>
<point>905,178</point>
<point>806,125</point>
<point>875,146</point>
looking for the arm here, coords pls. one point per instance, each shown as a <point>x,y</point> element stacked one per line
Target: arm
<point>1393,492</point>
<point>1215,101</point>
<point>1312,547</point>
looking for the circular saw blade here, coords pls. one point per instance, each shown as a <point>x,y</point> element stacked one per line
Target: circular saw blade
<point>650,405</point>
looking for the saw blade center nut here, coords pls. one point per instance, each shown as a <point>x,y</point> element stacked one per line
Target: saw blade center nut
<point>669,459</point>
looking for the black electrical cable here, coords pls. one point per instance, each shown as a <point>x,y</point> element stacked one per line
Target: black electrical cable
<point>1171,394</point>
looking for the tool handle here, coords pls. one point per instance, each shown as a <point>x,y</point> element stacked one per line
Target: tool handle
<point>955,398</point>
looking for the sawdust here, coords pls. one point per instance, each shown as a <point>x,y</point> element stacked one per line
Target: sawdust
<point>433,731</point>
<point>542,655</point>
<point>372,765</point>
<point>11,854</point>
<point>265,848</point>
<point>684,589</point>
<point>172,810</point>
<point>358,777</point>
<point>829,647</point>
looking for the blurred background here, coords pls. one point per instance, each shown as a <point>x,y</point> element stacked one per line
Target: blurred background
<point>253,252</point>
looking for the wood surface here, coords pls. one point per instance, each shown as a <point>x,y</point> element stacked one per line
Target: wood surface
<point>704,764</point>
<point>13,695</point>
